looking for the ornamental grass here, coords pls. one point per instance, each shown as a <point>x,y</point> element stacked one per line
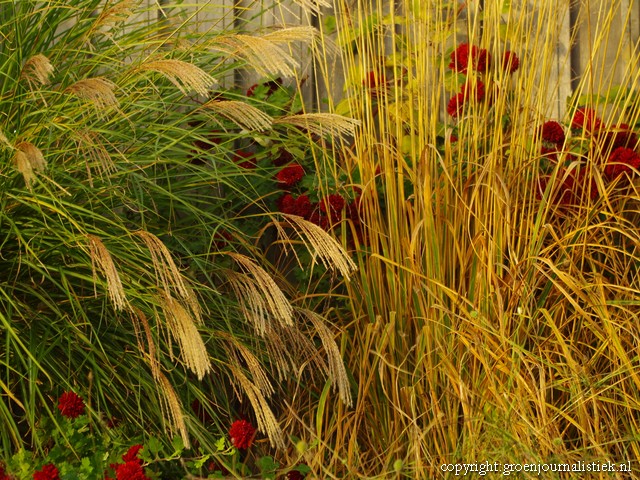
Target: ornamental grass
<point>494,313</point>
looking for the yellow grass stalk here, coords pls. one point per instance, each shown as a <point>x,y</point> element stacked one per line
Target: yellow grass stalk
<point>337,371</point>
<point>187,77</point>
<point>260,297</point>
<point>242,114</point>
<point>322,124</point>
<point>263,55</point>
<point>320,244</point>
<point>182,327</point>
<point>102,260</point>
<point>98,90</point>
<point>168,275</point>
<point>37,70</point>
<point>267,422</point>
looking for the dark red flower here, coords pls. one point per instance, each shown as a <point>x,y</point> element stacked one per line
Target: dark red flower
<point>550,152</point>
<point>332,205</point>
<point>510,62</point>
<point>473,90</point>
<point>552,132</point>
<point>294,475</point>
<point>574,187</point>
<point>586,119</point>
<point>318,218</point>
<point>284,157</point>
<point>455,105</point>
<point>621,161</point>
<point>132,454</point>
<point>242,434</point>
<point>290,175</point>
<point>130,471</point>
<point>48,472</point>
<point>620,136</point>
<point>303,207</point>
<point>466,56</point>
<point>287,204</point>
<point>70,405</point>
<point>244,159</point>
<point>3,474</point>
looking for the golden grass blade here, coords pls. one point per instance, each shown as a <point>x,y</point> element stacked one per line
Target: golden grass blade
<point>182,327</point>
<point>102,260</point>
<point>337,371</point>
<point>321,244</point>
<point>187,77</point>
<point>4,140</point>
<point>242,114</point>
<point>97,90</point>
<point>37,70</point>
<point>111,15</point>
<point>267,422</point>
<point>322,124</point>
<point>260,297</point>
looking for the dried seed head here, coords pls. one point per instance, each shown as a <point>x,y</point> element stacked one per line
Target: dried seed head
<point>173,410</point>
<point>259,295</point>
<point>186,76</point>
<point>242,114</point>
<point>98,90</point>
<point>321,244</point>
<point>322,124</point>
<point>262,54</point>
<point>37,70</point>
<point>29,159</point>
<point>102,259</point>
<point>182,327</point>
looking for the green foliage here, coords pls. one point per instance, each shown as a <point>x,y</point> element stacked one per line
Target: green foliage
<point>128,178</point>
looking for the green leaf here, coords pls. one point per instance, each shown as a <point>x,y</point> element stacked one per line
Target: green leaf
<point>220,444</point>
<point>330,24</point>
<point>153,447</point>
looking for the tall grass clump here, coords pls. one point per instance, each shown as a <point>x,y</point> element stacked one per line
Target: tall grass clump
<point>132,201</point>
<point>494,312</point>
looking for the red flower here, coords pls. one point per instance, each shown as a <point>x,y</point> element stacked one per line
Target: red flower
<point>283,158</point>
<point>132,454</point>
<point>332,205</point>
<point>244,159</point>
<point>455,105</point>
<point>550,152</point>
<point>620,136</point>
<point>70,405</point>
<point>319,218</point>
<point>286,204</point>
<point>294,475</point>
<point>48,472</point>
<point>587,119</point>
<point>552,132</point>
<point>4,475</point>
<point>241,434</point>
<point>621,161</point>
<point>510,62</point>
<point>303,207</point>
<point>290,175</point>
<point>575,187</point>
<point>465,57</point>
<point>474,90</point>
<point>130,471</point>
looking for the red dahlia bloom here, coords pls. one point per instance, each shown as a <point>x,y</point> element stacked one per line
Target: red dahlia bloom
<point>455,105</point>
<point>510,62</point>
<point>132,454</point>
<point>286,204</point>
<point>242,434</point>
<point>575,187</point>
<point>587,119</point>
<point>4,475</point>
<point>130,471</point>
<point>466,56</point>
<point>552,132</point>
<point>70,405</point>
<point>244,159</point>
<point>332,205</point>
<point>48,472</point>
<point>294,475</point>
<point>474,90</point>
<point>290,175</point>
<point>621,161</point>
<point>620,136</point>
